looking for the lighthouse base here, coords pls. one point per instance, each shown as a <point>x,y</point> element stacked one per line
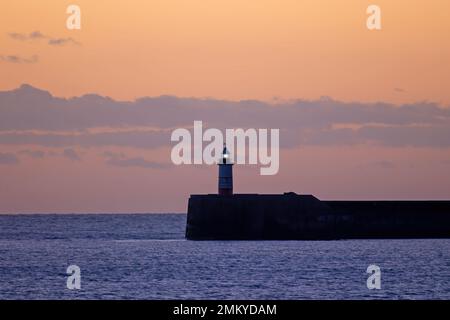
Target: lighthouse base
<point>225,192</point>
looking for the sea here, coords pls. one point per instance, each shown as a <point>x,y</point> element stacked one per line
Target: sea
<point>145,256</point>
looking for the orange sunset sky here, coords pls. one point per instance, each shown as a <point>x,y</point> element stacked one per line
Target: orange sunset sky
<point>235,49</point>
<point>272,51</point>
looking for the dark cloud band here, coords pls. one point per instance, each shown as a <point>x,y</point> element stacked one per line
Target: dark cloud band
<point>68,122</point>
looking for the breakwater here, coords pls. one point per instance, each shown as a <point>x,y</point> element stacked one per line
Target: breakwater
<point>291,216</point>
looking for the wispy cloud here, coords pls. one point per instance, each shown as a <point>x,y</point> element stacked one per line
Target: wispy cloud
<point>18,59</point>
<point>120,160</point>
<point>37,35</point>
<point>18,36</point>
<point>36,154</point>
<point>8,158</point>
<point>71,154</point>
<point>62,41</point>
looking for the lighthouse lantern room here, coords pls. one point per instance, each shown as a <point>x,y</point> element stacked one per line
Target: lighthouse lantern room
<point>225,173</point>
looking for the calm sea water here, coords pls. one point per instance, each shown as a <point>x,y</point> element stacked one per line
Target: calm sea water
<point>147,257</point>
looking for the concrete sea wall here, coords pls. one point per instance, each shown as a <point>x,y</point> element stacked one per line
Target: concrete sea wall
<point>304,217</point>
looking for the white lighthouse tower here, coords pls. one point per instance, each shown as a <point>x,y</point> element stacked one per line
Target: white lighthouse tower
<point>225,173</point>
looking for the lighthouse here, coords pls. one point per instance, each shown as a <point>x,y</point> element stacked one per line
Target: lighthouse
<point>225,173</point>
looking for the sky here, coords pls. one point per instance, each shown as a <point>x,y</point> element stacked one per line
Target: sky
<point>362,114</point>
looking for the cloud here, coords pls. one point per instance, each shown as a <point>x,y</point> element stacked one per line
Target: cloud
<point>36,154</point>
<point>30,116</point>
<point>120,160</point>
<point>18,59</point>
<point>136,139</point>
<point>8,158</point>
<point>37,35</point>
<point>62,41</point>
<point>18,36</point>
<point>71,154</point>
